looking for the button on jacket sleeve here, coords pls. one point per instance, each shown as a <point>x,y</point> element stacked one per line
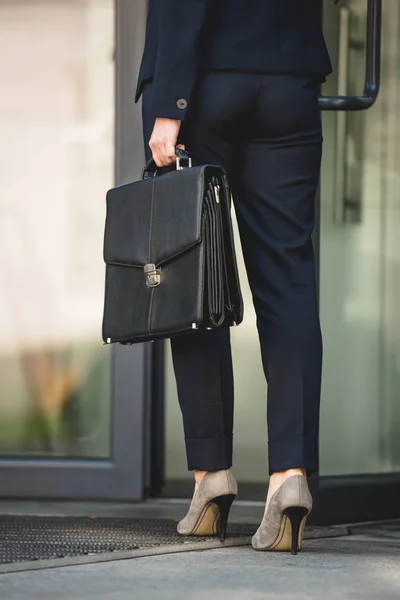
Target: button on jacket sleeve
<point>179,55</point>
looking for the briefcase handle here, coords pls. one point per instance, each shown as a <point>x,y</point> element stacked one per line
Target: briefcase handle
<point>151,169</point>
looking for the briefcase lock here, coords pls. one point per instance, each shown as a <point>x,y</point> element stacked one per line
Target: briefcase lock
<point>153,275</point>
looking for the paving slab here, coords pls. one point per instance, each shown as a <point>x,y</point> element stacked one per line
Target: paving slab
<point>361,567</point>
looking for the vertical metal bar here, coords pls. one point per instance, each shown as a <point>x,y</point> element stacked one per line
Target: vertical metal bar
<point>130,33</point>
<point>374,44</point>
<point>316,235</point>
<point>341,118</point>
<point>157,420</point>
<point>131,388</point>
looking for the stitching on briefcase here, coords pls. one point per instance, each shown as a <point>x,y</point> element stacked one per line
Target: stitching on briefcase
<point>151,216</point>
<point>149,255</point>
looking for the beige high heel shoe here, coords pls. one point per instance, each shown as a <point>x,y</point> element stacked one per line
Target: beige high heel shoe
<point>209,510</point>
<point>283,524</point>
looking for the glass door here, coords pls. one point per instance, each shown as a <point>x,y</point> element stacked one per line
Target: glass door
<point>360,254</point>
<point>71,410</point>
<point>359,276</point>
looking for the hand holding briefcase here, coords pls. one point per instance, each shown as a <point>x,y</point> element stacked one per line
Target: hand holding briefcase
<point>169,253</point>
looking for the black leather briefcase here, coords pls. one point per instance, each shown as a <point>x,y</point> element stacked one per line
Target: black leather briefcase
<point>170,258</point>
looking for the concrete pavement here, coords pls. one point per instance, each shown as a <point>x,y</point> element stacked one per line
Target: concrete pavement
<point>357,567</point>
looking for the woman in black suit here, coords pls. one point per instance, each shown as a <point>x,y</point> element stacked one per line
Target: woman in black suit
<point>236,83</point>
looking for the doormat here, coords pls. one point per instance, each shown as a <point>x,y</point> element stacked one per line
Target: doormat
<point>30,543</point>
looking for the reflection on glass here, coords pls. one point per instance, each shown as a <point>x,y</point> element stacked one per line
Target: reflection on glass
<point>56,161</point>
<point>360,263</point>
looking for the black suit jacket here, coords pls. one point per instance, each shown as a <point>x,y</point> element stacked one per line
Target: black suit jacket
<point>184,37</point>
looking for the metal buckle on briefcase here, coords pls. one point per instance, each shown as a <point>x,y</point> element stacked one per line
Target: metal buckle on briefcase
<point>178,163</point>
<point>153,275</point>
<point>182,155</point>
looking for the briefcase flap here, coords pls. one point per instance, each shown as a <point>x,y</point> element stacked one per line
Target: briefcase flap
<point>155,219</point>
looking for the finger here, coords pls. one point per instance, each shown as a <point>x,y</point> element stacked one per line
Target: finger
<point>155,152</point>
<point>158,159</point>
<point>181,147</point>
<point>163,152</point>
<point>170,154</point>
<point>164,155</point>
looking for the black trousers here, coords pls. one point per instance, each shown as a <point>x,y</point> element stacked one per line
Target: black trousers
<point>265,130</point>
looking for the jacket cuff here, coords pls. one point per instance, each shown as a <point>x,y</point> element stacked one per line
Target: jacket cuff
<point>170,109</point>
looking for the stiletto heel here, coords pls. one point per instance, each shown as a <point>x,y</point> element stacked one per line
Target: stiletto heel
<point>224,504</point>
<point>209,509</point>
<point>296,516</point>
<point>283,523</point>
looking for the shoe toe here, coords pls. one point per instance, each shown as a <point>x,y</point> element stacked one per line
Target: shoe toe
<point>255,541</point>
<point>265,536</point>
<point>182,527</point>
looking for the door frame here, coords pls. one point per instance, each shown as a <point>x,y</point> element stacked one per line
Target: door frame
<point>124,475</point>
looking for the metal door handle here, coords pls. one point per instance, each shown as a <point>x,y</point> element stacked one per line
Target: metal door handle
<point>343,102</point>
<point>373,67</point>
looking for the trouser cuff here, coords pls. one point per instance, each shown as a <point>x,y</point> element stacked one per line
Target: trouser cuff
<point>294,452</point>
<point>209,454</point>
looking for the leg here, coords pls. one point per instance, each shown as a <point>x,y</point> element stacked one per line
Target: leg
<point>203,370</point>
<point>202,360</point>
<point>275,208</point>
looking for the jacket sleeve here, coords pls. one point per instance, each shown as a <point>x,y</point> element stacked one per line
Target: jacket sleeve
<point>179,54</point>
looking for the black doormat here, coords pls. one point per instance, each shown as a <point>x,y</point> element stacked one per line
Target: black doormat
<point>41,542</point>
<point>38,538</point>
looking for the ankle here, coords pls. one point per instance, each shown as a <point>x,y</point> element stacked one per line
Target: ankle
<point>280,476</point>
<point>199,476</point>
